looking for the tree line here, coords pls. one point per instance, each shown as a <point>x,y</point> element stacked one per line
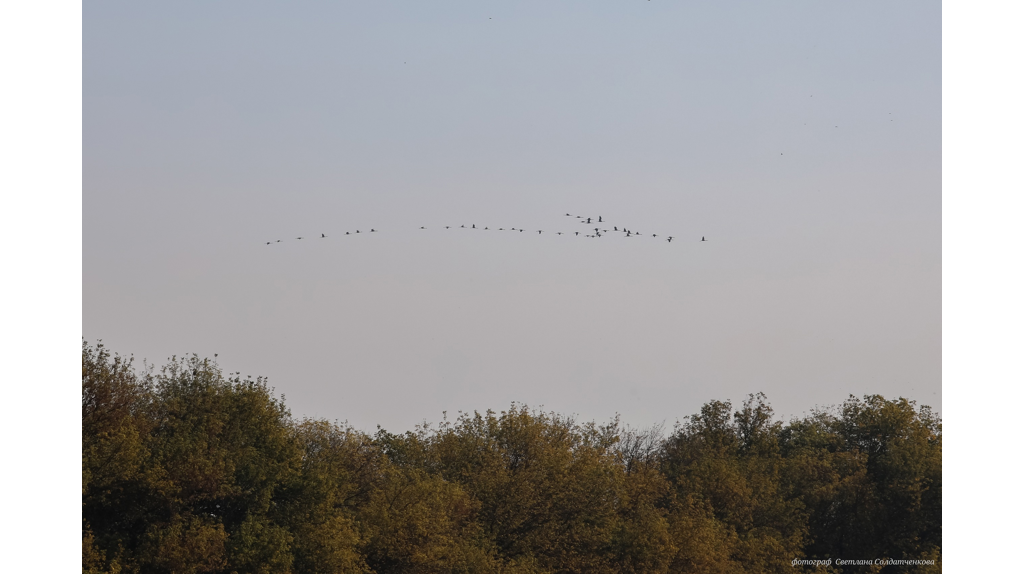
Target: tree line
<point>188,470</point>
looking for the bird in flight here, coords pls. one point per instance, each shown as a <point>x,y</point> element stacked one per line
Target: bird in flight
<point>670,239</point>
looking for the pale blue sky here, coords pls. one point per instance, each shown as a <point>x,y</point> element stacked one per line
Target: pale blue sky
<point>802,138</point>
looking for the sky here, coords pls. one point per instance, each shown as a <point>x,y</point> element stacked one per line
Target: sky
<point>801,139</point>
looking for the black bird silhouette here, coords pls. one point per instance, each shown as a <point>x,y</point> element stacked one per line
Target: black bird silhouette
<point>279,241</point>
<point>615,228</point>
<point>588,221</point>
<point>559,232</point>
<point>577,233</point>
<point>568,215</point>
<point>539,231</point>
<point>298,238</point>
<point>520,230</point>
<point>670,239</point>
<point>421,227</point>
<point>462,226</point>
<point>357,231</point>
<point>579,217</point>
<point>655,235</point>
<point>599,219</point>
<point>268,243</point>
<point>447,226</point>
<point>347,233</point>
<point>322,236</point>
<point>485,229</point>
<point>373,231</point>
<point>702,238</point>
<point>474,226</point>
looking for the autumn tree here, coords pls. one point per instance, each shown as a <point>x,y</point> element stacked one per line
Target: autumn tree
<point>871,474</point>
<point>114,455</point>
<point>188,470</point>
<point>728,472</point>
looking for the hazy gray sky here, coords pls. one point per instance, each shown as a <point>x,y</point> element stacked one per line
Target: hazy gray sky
<point>801,138</point>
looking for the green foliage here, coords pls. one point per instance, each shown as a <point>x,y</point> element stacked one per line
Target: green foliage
<point>187,470</point>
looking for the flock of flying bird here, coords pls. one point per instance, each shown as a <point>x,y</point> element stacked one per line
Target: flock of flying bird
<point>591,233</point>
